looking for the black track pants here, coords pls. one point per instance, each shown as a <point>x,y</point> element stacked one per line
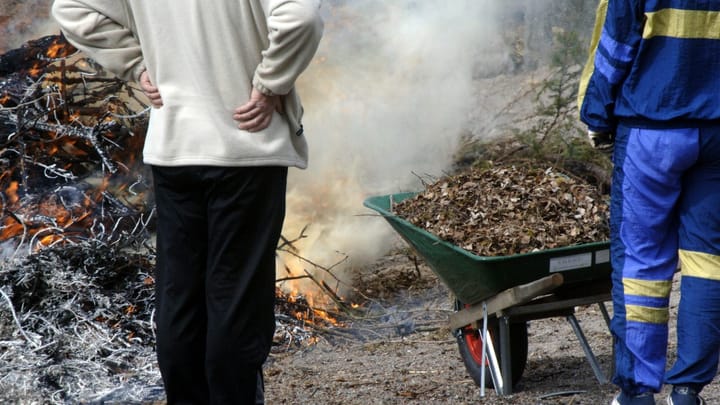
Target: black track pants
<point>218,229</point>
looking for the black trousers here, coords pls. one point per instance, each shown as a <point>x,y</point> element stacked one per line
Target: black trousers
<point>218,228</point>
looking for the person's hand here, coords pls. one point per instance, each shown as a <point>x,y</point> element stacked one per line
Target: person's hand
<point>602,141</point>
<point>152,92</point>
<point>256,114</point>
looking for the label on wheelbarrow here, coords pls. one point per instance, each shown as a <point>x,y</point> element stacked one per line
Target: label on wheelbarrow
<point>566,263</point>
<point>602,256</point>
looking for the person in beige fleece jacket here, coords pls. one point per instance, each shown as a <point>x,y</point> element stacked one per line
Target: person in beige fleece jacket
<point>225,127</point>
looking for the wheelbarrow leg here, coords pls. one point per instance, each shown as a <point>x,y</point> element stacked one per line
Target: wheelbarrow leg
<point>605,313</point>
<point>488,355</point>
<point>505,363</point>
<point>586,348</point>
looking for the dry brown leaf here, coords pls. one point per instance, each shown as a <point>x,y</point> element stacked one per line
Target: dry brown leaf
<point>508,210</point>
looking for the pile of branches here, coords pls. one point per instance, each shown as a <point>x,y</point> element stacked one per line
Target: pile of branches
<point>76,252</point>
<point>70,143</point>
<point>76,314</point>
<point>510,209</point>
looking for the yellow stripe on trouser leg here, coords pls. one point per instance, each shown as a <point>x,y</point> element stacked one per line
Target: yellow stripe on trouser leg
<point>701,265</point>
<point>652,290</point>
<point>639,313</point>
<point>647,288</point>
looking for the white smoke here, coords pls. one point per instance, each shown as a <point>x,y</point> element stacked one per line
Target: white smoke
<point>392,88</point>
<point>386,101</point>
<point>23,20</point>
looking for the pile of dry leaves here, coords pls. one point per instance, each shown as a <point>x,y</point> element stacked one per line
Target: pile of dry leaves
<point>512,209</point>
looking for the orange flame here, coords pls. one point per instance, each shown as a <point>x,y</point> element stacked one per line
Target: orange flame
<point>316,302</point>
<point>56,50</point>
<point>11,193</point>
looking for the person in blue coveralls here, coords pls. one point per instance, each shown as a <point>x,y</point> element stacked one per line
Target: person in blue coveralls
<point>651,94</point>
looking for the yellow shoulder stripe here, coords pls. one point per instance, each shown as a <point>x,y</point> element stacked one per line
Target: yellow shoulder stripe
<point>589,67</point>
<point>676,23</point>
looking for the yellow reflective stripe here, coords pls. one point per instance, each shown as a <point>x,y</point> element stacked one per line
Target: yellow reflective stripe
<point>698,264</point>
<point>647,288</point>
<point>646,314</point>
<point>589,67</point>
<point>676,23</point>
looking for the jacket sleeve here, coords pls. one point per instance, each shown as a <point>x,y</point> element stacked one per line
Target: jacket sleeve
<point>102,30</point>
<point>295,29</point>
<point>610,62</point>
<point>587,71</point>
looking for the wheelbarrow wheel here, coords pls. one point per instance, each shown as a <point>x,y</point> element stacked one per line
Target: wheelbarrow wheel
<point>470,346</point>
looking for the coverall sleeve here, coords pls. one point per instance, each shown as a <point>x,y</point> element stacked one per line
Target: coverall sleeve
<point>611,62</point>
<point>102,30</point>
<point>295,29</point>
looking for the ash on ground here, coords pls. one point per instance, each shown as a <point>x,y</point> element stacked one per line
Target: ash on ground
<point>77,326</point>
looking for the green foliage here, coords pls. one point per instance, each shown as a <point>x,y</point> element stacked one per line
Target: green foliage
<point>553,133</point>
<point>556,133</point>
<point>556,120</point>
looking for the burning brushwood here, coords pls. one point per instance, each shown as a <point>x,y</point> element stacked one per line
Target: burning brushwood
<point>510,209</point>
<point>76,304</point>
<point>70,143</point>
<point>77,274</point>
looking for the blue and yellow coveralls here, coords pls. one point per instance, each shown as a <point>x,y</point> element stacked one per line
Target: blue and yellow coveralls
<point>653,79</point>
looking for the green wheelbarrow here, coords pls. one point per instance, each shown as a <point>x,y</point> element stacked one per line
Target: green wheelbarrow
<point>496,296</point>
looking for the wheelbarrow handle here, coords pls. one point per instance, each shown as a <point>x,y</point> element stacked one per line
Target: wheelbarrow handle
<point>506,299</point>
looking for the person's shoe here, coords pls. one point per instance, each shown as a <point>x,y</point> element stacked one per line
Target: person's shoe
<point>684,396</point>
<point>646,398</point>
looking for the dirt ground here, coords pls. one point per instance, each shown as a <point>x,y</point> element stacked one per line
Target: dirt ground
<point>381,360</point>
<point>397,350</point>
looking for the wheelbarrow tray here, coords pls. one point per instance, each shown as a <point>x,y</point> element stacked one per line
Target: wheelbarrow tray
<point>472,278</point>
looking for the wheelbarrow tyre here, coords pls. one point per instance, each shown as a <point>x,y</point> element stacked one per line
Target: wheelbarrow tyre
<point>470,347</point>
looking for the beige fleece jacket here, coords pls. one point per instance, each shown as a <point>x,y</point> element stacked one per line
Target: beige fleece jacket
<point>205,57</point>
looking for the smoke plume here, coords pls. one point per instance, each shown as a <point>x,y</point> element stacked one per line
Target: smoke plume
<point>389,95</point>
<point>22,20</point>
<point>390,92</point>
